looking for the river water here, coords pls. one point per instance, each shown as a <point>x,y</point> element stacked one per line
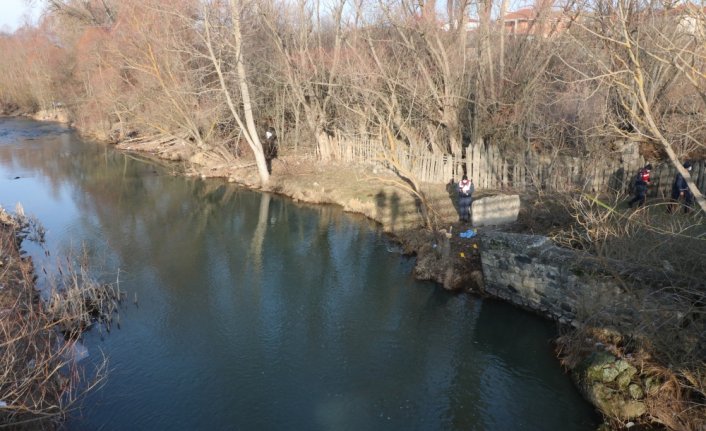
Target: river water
<point>257,313</point>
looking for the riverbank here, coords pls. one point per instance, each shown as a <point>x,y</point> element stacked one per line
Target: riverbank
<point>40,332</point>
<point>31,387</point>
<point>378,195</point>
<point>442,255</point>
<point>616,373</point>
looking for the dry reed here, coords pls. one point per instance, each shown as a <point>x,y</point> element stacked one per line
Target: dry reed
<point>40,379</point>
<point>658,258</point>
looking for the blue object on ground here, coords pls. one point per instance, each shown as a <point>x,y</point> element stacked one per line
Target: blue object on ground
<point>470,233</point>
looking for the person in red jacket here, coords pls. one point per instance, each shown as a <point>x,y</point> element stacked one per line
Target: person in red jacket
<point>642,181</point>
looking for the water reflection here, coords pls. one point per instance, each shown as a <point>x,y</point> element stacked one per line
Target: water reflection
<point>260,231</point>
<point>258,313</point>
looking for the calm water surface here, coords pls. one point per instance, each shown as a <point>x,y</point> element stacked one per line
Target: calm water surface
<point>256,313</point>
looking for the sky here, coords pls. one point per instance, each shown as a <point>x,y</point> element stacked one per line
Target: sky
<point>13,12</point>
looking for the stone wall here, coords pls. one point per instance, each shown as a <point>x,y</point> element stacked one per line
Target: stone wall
<point>575,288</point>
<point>529,271</point>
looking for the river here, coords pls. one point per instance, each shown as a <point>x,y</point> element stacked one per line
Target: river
<point>254,312</point>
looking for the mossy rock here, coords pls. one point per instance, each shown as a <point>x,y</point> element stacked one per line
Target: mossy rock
<point>631,410</point>
<point>614,404</point>
<point>627,372</point>
<point>600,367</point>
<point>623,365</point>
<point>651,385</point>
<point>636,391</point>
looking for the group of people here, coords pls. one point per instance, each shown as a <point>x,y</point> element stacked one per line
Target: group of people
<point>680,189</point>
<point>681,195</point>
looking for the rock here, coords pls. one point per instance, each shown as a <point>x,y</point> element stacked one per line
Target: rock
<point>608,374</point>
<point>600,367</point>
<point>626,375</point>
<point>631,410</point>
<point>636,391</point>
<point>612,403</point>
<point>495,210</point>
<point>651,385</point>
<point>622,365</point>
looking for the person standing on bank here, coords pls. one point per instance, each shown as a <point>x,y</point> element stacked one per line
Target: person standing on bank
<point>642,181</point>
<point>680,189</point>
<point>270,147</point>
<point>465,197</point>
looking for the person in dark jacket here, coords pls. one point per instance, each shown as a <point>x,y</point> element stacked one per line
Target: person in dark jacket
<point>270,147</point>
<point>642,181</point>
<point>465,197</point>
<point>680,190</point>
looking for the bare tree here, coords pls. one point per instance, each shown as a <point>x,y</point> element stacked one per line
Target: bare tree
<point>164,62</point>
<point>422,72</point>
<point>88,12</point>
<point>309,54</point>
<point>644,54</point>
<point>221,38</point>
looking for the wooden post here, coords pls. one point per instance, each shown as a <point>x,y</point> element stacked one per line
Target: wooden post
<point>475,172</point>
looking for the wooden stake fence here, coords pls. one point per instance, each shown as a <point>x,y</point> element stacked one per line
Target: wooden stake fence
<point>488,169</point>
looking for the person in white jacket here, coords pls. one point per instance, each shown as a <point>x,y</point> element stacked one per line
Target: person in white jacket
<point>465,197</point>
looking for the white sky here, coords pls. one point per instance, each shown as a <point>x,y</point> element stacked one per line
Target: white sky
<point>14,12</point>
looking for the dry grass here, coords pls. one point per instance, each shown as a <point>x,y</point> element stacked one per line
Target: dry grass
<point>372,192</point>
<point>40,380</point>
<point>660,322</point>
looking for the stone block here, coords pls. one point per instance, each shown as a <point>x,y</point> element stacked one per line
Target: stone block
<point>529,284</point>
<point>495,210</point>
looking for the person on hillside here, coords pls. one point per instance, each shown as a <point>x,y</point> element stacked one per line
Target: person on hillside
<point>680,190</point>
<point>642,181</point>
<point>465,197</point>
<point>270,147</point>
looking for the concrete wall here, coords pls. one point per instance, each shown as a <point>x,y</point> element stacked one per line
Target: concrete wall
<point>495,210</point>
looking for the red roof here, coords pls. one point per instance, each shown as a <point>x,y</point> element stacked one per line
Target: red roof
<point>526,13</point>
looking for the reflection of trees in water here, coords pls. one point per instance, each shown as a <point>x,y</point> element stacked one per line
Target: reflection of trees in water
<point>321,283</point>
<point>147,217</point>
<point>260,231</point>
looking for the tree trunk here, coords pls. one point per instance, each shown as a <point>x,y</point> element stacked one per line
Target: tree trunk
<point>639,80</point>
<point>248,127</point>
<point>254,139</point>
